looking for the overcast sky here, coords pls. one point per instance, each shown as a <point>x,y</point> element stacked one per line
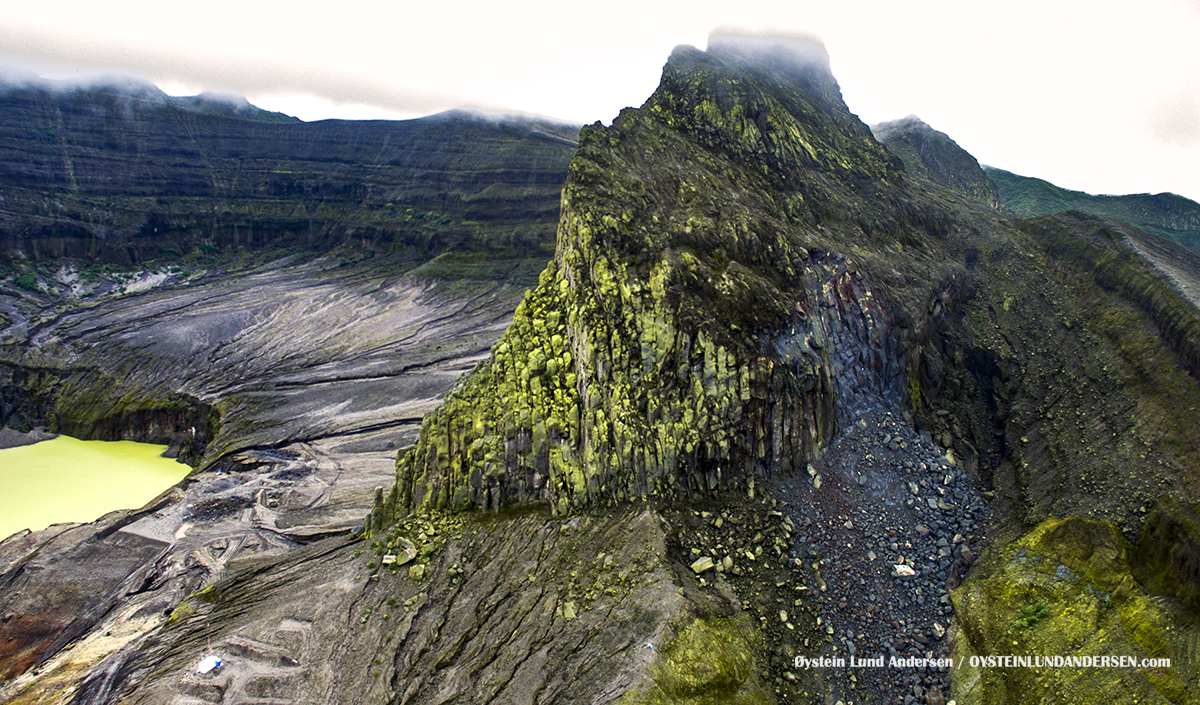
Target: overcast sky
<point>1099,96</point>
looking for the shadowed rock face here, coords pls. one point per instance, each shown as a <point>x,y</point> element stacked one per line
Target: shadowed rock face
<point>742,276</point>
<point>472,627</point>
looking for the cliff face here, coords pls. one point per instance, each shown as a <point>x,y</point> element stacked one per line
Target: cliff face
<point>741,267</point>
<point>125,174</point>
<point>691,332</point>
<point>167,243</point>
<point>741,270</point>
<point>839,368</point>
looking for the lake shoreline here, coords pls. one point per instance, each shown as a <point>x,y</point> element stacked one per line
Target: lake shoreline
<point>10,438</point>
<point>67,480</point>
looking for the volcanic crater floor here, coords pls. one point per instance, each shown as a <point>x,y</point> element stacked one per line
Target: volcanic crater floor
<point>822,561</point>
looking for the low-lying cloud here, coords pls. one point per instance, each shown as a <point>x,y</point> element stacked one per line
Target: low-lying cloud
<point>243,75</point>
<point>771,45</point>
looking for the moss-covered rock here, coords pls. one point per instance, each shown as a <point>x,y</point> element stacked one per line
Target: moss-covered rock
<point>1168,554</point>
<point>711,662</point>
<point>1065,590</point>
<point>932,155</point>
<point>687,336</point>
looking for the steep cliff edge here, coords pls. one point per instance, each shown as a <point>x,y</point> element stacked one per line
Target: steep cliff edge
<point>741,266</point>
<point>741,270</point>
<point>696,326</point>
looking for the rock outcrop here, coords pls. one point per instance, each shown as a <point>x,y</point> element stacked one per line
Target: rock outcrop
<point>932,155</point>
<point>741,270</point>
<point>693,330</point>
<point>1066,591</point>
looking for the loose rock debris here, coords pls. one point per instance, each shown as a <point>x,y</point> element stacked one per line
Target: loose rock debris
<point>854,558</point>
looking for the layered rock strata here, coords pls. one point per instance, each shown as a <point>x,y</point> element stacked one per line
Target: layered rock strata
<point>119,172</point>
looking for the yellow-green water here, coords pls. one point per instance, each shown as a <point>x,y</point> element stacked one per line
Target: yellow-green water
<point>68,480</point>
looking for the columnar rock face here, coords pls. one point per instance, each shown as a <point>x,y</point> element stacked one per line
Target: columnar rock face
<point>691,333</point>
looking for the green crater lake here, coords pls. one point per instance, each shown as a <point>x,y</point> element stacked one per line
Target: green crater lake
<point>68,480</point>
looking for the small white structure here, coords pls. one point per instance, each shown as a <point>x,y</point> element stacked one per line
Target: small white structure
<point>209,663</point>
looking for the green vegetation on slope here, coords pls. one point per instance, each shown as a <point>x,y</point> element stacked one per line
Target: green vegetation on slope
<point>1065,590</point>
<point>710,663</point>
<point>739,263</point>
<point>643,362</point>
<point>1166,214</point>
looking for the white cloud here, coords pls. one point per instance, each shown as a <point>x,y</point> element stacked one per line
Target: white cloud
<point>1175,121</point>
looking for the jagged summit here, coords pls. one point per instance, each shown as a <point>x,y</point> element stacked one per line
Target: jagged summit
<point>932,155</point>
<point>767,100</point>
<point>909,123</point>
<point>695,327</point>
<point>797,57</point>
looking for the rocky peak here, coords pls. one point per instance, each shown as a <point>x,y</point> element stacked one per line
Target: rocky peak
<point>933,156</point>
<point>767,100</point>
<point>801,59</point>
<point>695,328</point>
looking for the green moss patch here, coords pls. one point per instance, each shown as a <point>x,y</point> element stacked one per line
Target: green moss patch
<point>711,662</point>
<point>1065,589</point>
<point>1168,556</point>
